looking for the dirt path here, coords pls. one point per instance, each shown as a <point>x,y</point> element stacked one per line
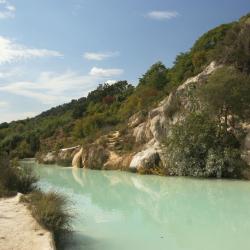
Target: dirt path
<point>19,230</point>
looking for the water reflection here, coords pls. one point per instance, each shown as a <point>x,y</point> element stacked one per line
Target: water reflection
<point>114,208</point>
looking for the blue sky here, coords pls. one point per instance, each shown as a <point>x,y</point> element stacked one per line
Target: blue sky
<point>55,51</point>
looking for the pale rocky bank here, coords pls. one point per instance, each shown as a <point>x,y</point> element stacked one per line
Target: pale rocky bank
<point>19,230</point>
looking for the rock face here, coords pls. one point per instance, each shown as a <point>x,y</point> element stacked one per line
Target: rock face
<point>62,157</point>
<point>154,129</point>
<point>49,158</point>
<point>147,158</point>
<point>77,159</point>
<point>135,120</point>
<point>148,132</point>
<point>96,157</point>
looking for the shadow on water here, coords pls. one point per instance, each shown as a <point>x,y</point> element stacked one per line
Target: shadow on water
<point>77,241</point>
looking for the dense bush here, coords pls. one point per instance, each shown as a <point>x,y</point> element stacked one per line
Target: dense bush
<point>15,179</point>
<point>227,95</point>
<point>142,99</point>
<point>156,76</point>
<point>234,49</point>
<point>195,148</point>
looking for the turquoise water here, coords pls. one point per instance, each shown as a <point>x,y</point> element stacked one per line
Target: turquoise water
<point>123,211</point>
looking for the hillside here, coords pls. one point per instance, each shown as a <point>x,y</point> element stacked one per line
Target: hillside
<point>191,119</point>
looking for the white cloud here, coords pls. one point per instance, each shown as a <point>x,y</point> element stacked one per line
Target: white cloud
<point>6,74</point>
<point>53,88</point>
<point>99,56</point>
<point>100,72</point>
<point>7,10</point>
<point>4,104</point>
<point>12,52</point>
<point>162,15</point>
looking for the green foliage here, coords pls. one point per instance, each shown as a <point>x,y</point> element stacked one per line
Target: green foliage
<point>102,109</point>
<point>202,53</point>
<point>227,93</point>
<point>14,178</point>
<point>195,148</point>
<point>80,108</point>
<point>235,48</point>
<point>148,92</point>
<point>120,90</point>
<point>91,124</point>
<point>155,77</point>
<point>141,100</point>
<point>210,39</point>
<point>182,69</point>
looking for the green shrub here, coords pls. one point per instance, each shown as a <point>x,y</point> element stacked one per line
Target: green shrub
<point>26,180</point>
<point>195,148</point>
<point>14,178</point>
<point>227,93</point>
<point>91,124</point>
<point>234,49</point>
<point>50,210</point>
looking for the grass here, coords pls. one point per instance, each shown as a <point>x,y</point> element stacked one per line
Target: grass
<point>15,179</point>
<point>51,210</point>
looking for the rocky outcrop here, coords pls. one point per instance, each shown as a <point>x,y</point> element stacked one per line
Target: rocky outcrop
<point>49,158</point>
<point>147,158</point>
<point>62,157</point>
<point>104,153</point>
<point>152,132</point>
<point>149,133</point>
<point>96,156</point>
<point>116,161</point>
<point>77,161</point>
<point>136,119</point>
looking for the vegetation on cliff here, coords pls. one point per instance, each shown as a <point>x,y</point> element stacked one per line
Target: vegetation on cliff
<point>220,105</point>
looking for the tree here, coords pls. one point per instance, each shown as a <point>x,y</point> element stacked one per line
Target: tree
<point>182,69</point>
<point>156,76</point>
<point>34,143</point>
